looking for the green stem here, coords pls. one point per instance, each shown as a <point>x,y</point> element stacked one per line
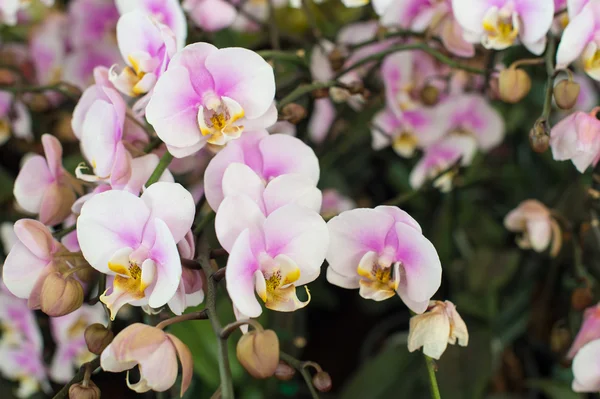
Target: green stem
<point>388,35</point>
<point>305,89</point>
<point>549,57</point>
<point>204,222</point>
<point>284,56</point>
<point>412,46</point>
<point>211,309</point>
<point>64,392</point>
<point>199,315</point>
<point>60,87</point>
<point>435,390</point>
<point>300,366</point>
<point>163,164</point>
<point>61,233</point>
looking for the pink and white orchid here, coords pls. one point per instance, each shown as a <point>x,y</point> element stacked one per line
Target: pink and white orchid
<point>154,352</point>
<point>211,15</point>
<point>270,255</point>
<point>269,156</point>
<point>44,187</point>
<point>147,47</point>
<point>335,203</point>
<point>497,24</point>
<point>14,118</point>
<point>586,370</point>
<point>9,10</point>
<point>577,138</point>
<point>68,333</point>
<point>588,332</point>
<point>191,288</point>
<point>438,160</point>
<point>92,22</point>
<point>382,252</point>
<point>538,228</point>
<point>210,95</point>
<point>166,12</point>
<point>581,38</point>
<point>134,239</point>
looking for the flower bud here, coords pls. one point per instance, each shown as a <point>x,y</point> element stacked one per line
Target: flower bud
<point>97,337</point>
<point>356,87</point>
<point>79,391</point>
<point>258,352</point>
<point>337,59</point>
<point>293,113</point>
<point>430,95</point>
<point>60,295</point>
<point>284,371</point>
<point>581,298</point>
<point>322,381</point>
<point>566,93</point>
<point>38,102</point>
<point>320,93</point>
<point>513,85</point>
<point>539,140</point>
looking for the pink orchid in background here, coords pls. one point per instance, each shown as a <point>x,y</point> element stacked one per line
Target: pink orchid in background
<point>581,38</point>
<point>134,239</point>
<point>191,287</point>
<point>586,371</point>
<point>405,133</point>
<point>44,187</point>
<point>435,16</point>
<point>321,120</point>
<point>48,48</point>
<point>92,22</point>
<point>577,138</point>
<point>68,334</point>
<point>210,15</point>
<point>269,156</point>
<point>335,203</point>
<point>147,48</point>
<point>80,64</point>
<point>382,252</point>
<point>14,118</point>
<point>472,115</point>
<point>270,255</point>
<point>166,12</point>
<point>498,24</point>
<point>210,95</point>
<point>440,157</point>
<point>155,352</point>
<point>30,260</point>
<point>9,10</point>
<point>539,229</point>
<point>18,322</point>
<point>435,329</point>
<point>588,332</point>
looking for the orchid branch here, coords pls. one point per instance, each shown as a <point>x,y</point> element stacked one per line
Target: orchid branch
<point>163,164</point>
<point>91,365</point>
<point>66,89</point>
<point>435,390</point>
<point>301,367</point>
<point>305,89</point>
<point>549,58</point>
<point>61,233</point>
<point>200,315</point>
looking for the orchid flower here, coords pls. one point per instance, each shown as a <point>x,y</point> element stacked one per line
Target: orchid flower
<point>539,229</point>
<point>586,372</point>
<point>147,47</point>
<point>335,203</point>
<point>14,118</point>
<point>155,352</point>
<point>210,15</point>
<point>44,187</point>
<point>166,12</point>
<point>91,22</point>
<point>134,240</point>
<point>191,289</point>
<point>270,255</point>
<point>588,332</point>
<point>497,24</point>
<point>577,138</point>
<point>210,95</point>
<point>581,38</point>
<point>10,8</point>
<point>382,252</point>
<point>71,348</point>
<point>269,156</point>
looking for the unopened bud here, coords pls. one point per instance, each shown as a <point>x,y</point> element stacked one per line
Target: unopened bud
<point>560,339</point>
<point>97,338</point>
<point>38,102</point>
<point>322,381</point>
<point>566,93</point>
<point>60,295</point>
<point>513,85</point>
<point>581,298</point>
<point>539,140</point>
<point>293,113</point>
<point>258,352</point>
<point>284,371</point>
<point>430,95</point>
<point>356,87</point>
<point>336,59</point>
<point>320,93</point>
<point>79,391</point>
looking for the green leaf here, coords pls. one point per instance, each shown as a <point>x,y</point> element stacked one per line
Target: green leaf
<point>554,389</point>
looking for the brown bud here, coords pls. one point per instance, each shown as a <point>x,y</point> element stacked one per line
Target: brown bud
<point>581,298</point>
<point>560,339</point>
<point>513,85</point>
<point>322,381</point>
<point>336,59</point>
<point>60,295</point>
<point>38,102</point>
<point>566,93</point>
<point>7,77</point>
<point>539,140</point>
<point>430,95</point>
<point>97,338</point>
<point>284,371</point>
<point>356,87</point>
<point>258,352</point>
<point>293,113</point>
<point>321,93</point>
<point>80,391</point>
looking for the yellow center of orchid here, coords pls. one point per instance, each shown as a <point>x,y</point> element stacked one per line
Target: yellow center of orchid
<point>405,144</point>
<point>277,289</point>
<point>592,62</point>
<point>379,280</point>
<point>128,280</point>
<point>502,28</point>
<point>217,120</point>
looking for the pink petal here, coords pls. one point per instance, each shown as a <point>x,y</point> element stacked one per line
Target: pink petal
<point>321,120</point>
<point>537,17</point>
<point>399,216</point>
<point>291,189</point>
<point>239,179</point>
<point>187,363</point>
<point>241,266</point>
<point>56,204</point>
<point>586,368</point>
<point>575,38</point>
<point>21,270</point>
<point>101,132</point>
<point>33,180</point>
<point>236,214</point>
<point>36,237</point>
<point>283,154</point>
<point>53,153</point>
<point>164,252</point>
<point>211,15</point>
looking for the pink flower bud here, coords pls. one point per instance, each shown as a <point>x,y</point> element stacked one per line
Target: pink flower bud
<point>258,352</point>
<point>513,85</point>
<point>322,381</point>
<point>83,390</point>
<point>566,93</point>
<point>60,295</point>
